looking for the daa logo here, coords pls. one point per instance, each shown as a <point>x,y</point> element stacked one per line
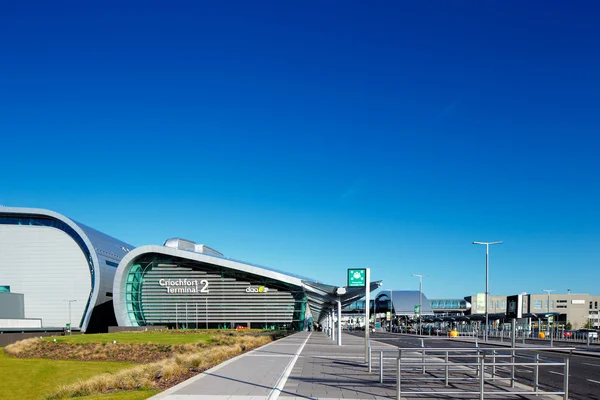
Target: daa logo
<point>260,289</point>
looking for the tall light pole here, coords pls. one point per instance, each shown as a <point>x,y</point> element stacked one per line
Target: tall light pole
<point>392,311</point>
<point>548,291</point>
<point>487,256</point>
<point>420,299</point>
<point>70,326</point>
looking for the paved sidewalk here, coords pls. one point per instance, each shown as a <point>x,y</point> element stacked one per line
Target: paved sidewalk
<point>307,365</point>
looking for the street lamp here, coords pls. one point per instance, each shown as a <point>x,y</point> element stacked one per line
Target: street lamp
<point>70,327</point>
<point>420,300</point>
<point>487,252</point>
<point>392,311</point>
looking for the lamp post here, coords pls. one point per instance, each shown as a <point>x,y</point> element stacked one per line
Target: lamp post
<point>392,311</point>
<point>487,252</point>
<point>420,300</point>
<point>70,327</point>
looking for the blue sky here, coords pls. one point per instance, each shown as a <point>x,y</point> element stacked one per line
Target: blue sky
<point>315,137</point>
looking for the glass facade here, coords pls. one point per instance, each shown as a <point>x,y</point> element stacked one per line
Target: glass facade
<point>449,304</point>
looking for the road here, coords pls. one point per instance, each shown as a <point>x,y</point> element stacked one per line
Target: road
<point>584,376</point>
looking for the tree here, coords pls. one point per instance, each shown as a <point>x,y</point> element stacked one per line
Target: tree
<point>588,324</point>
<point>568,326</point>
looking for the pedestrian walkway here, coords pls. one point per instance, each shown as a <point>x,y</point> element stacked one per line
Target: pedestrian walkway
<point>306,365</point>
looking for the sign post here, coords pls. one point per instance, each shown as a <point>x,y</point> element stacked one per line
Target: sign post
<point>550,322</point>
<point>514,310</point>
<point>360,277</point>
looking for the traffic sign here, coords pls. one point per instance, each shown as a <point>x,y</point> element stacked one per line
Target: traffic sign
<point>357,277</point>
<point>550,318</point>
<point>514,307</point>
<point>417,311</point>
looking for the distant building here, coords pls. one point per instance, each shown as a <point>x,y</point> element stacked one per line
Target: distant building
<point>578,309</point>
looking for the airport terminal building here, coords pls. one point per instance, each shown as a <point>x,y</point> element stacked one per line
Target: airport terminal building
<point>184,284</point>
<point>55,271</point>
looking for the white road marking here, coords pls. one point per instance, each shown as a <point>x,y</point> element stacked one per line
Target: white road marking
<point>557,373</point>
<point>283,379</point>
<point>593,365</point>
<point>591,380</point>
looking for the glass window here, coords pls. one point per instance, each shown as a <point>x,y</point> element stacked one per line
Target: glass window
<point>503,303</point>
<point>591,305</point>
<point>595,304</point>
<point>537,304</point>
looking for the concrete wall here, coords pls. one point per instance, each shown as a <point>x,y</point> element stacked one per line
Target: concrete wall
<point>20,323</point>
<point>12,306</point>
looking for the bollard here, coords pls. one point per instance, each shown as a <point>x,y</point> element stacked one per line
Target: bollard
<point>512,369</point>
<point>566,379</point>
<point>399,378</point>
<point>423,360</point>
<point>536,373</point>
<point>478,361</point>
<point>369,357</point>
<point>447,364</point>
<point>381,367</point>
<point>482,378</point>
<point>494,364</point>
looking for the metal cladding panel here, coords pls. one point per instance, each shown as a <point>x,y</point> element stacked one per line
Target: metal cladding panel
<point>100,247</point>
<point>188,296</point>
<point>48,268</point>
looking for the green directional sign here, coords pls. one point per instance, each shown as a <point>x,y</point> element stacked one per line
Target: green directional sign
<point>417,310</point>
<point>357,277</point>
<point>550,318</point>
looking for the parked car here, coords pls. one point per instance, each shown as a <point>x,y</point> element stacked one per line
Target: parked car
<point>591,333</point>
<point>567,334</point>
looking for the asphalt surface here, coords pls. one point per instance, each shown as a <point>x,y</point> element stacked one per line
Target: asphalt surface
<point>584,375</point>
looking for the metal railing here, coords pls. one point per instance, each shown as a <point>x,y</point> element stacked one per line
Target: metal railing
<point>473,367</point>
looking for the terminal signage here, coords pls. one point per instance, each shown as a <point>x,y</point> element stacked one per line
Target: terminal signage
<point>260,289</point>
<point>388,315</point>
<point>514,306</point>
<point>183,285</point>
<point>357,277</point>
<point>417,310</point>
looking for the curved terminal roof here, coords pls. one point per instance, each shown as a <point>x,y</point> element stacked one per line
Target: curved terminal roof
<point>404,301</point>
<point>93,243</point>
<point>320,297</point>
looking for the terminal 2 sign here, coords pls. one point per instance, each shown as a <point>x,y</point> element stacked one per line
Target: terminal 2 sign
<point>178,286</point>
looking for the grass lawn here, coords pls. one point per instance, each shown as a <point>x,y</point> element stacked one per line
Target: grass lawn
<point>33,378</point>
<point>133,395</point>
<point>137,337</point>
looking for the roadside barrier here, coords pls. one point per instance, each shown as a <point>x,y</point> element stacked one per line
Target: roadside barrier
<point>489,366</point>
